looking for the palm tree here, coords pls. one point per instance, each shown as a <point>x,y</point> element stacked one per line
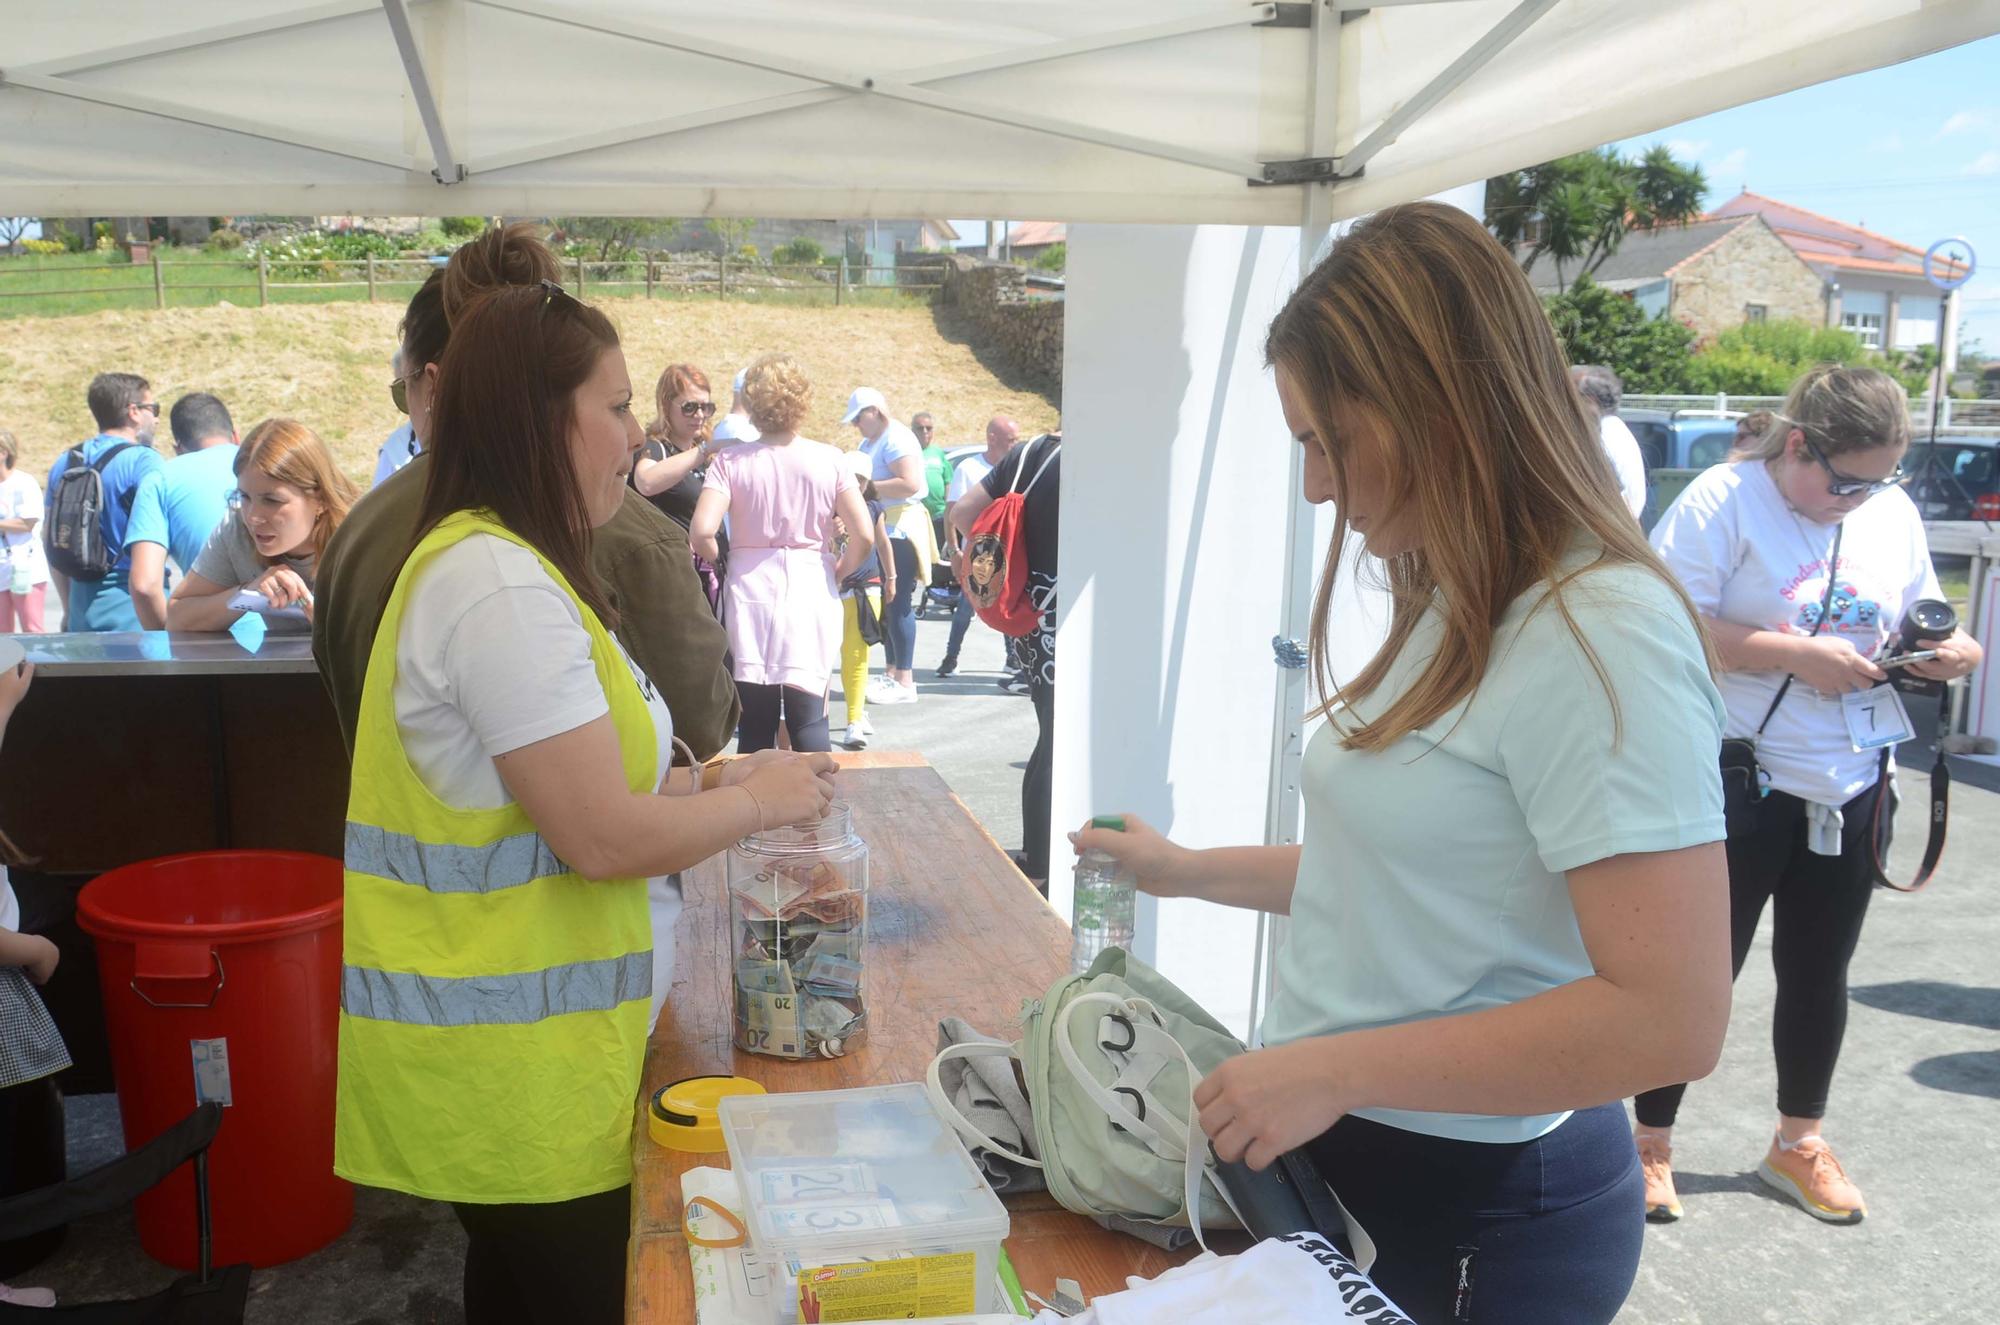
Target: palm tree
<point>1579,208</point>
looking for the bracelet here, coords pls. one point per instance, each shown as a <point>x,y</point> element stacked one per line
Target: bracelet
<point>755,803</point>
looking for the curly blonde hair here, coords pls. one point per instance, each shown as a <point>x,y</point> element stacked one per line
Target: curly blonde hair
<point>777,393</point>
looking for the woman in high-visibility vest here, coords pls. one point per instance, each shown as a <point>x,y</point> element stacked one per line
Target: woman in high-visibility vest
<point>509,804</point>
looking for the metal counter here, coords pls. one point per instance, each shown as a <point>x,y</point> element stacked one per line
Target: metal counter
<point>157,653</point>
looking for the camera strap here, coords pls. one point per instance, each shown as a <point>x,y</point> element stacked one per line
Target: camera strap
<point>1825,615</point>
<point>1885,807</point>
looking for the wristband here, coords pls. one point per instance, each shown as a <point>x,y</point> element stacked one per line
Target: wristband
<point>755,804</point>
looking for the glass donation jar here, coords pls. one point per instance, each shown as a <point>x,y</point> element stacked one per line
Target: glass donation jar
<point>800,901</point>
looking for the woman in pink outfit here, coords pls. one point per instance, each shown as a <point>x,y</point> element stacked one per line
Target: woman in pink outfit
<point>780,601</point>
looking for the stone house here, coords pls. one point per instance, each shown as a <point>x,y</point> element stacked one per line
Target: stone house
<point>1712,274</point>
<point>1876,285</point>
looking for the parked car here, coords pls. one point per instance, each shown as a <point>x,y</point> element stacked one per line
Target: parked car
<point>1677,445</point>
<point>1955,477</point>
<point>1682,438</point>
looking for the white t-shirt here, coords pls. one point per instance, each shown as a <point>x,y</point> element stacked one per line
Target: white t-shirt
<point>21,499</point>
<point>1433,877</point>
<point>1745,556</point>
<point>401,448</point>
<point>971,472</point>
<point>734,428</point>
<point>492,656</point>
<point>895,443</point>
<point>1626,462</point>
<point>10,906</point>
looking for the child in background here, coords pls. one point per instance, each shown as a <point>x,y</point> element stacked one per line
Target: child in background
<point>31,1050</point>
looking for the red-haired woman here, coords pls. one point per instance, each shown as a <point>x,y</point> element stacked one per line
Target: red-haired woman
<point>290,496</point>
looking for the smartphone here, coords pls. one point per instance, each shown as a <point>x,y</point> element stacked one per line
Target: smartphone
<point>1905,659</point>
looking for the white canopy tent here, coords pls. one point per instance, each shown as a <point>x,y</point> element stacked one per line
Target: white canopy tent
<point>1118,110</point>
<point>1241,131</point>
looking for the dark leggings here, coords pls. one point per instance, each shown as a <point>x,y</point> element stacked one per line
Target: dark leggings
<point>804,714</point>
<point>899,614</point>
<point>1038,785</point>
<point>1542,1232</point>
<point>556,1264</point>
<point>1820,904</point>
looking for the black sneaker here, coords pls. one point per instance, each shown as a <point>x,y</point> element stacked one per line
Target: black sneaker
<point>948,667</point>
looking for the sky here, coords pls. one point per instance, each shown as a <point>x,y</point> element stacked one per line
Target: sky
<point>1911,151</point>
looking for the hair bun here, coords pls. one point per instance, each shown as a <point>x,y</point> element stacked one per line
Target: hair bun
<point>511,255</point>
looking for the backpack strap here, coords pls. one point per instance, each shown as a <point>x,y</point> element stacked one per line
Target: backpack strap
<point>934,1087</point>
<point>1049,452</point>
<point>110,454</point>
<point>1825,611</point>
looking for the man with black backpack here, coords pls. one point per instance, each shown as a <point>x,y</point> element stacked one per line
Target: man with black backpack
<point>91,488</point>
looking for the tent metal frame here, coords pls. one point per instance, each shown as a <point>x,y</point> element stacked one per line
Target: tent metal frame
<point>909,86</point>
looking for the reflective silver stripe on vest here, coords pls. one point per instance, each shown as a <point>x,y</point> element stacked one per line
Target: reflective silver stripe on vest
<point>496,1000</point>
<point>508,863</point>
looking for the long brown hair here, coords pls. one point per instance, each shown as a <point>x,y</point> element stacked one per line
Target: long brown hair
<point>677,379</point>
<point>293,454</point>
<point>502,419</point>
<point>1422,316</point>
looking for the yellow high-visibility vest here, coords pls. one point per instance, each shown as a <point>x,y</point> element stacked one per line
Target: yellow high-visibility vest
<point>493,1002</point>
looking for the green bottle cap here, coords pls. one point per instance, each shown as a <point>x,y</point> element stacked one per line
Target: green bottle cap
<point>1115,822</point>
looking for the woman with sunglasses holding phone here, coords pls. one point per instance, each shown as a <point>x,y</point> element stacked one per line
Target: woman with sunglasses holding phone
<point>678,446</point>
<point>1753,541</point>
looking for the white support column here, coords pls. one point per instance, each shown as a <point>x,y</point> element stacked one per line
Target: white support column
<point>1176,486</point>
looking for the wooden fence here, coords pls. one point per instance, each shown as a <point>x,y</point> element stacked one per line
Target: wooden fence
<point>649,278</point>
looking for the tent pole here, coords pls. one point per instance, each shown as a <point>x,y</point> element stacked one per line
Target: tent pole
<point>448,168</point>
<point>1281,804</point>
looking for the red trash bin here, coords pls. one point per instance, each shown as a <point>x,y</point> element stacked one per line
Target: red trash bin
<point>221,975</point>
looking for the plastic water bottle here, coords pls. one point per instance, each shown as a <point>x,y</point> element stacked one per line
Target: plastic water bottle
<point>1106,900</point>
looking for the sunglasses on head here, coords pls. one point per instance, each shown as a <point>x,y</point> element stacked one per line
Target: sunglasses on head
<point>1846,485</point>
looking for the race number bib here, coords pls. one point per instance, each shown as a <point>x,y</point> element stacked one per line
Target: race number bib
<point>1876,717</point>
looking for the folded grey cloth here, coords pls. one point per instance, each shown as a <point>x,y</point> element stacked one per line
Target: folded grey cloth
<point>989,1094</point>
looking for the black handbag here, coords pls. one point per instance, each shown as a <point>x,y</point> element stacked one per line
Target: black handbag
<point>1744,781</point>
<point>866,623</point>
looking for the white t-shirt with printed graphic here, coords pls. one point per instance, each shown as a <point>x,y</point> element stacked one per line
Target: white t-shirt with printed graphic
<point>21,499</point>
<point>1746,557</point>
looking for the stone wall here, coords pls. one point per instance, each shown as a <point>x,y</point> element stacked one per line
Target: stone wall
<point>1750,266</point>
<point>990,307</point>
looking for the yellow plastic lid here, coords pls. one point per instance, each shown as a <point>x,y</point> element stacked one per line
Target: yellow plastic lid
<point>684,1115</point>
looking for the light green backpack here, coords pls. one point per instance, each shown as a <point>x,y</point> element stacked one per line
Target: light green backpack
<point>1111,1058</point>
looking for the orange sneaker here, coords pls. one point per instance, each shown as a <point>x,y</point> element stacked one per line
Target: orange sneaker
<point>1656,1161</point>
<point>1809,1174</point>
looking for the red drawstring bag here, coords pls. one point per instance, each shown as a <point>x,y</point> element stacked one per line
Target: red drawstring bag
<point>996,557</point>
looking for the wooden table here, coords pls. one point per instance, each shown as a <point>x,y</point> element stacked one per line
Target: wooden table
<point>953,930</point>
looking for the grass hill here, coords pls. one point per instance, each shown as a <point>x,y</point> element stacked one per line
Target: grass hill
<point>328,366</point>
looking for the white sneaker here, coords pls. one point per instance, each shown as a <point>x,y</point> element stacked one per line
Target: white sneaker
<point>881,689</point>
<point>858,732</point>
<point>894,693</point>
<point>27,1297</point>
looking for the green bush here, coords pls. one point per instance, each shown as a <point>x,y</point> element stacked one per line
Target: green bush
<point>1596,325</point>
<point>46,248</point>
<point>224,240</point>
<point>315,254</point>
<point>800,252</point>
<point>1765,358</point>
<point>462,227</point>
<point>101,231</point>
<point>1053,258</point>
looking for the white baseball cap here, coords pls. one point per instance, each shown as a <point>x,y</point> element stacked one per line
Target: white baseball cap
<point>737,385</point>
<point>864,397</point>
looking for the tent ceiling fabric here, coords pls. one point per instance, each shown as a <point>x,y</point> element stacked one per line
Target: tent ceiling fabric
<point>866,108</point>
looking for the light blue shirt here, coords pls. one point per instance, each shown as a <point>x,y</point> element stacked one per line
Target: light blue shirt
<point>179,507</point>
<point>1432,879</point>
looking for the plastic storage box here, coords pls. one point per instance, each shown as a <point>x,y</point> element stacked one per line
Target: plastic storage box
<point>864,1206</point>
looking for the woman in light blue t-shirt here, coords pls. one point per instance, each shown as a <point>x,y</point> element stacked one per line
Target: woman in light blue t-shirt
<point>1511,907</point>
